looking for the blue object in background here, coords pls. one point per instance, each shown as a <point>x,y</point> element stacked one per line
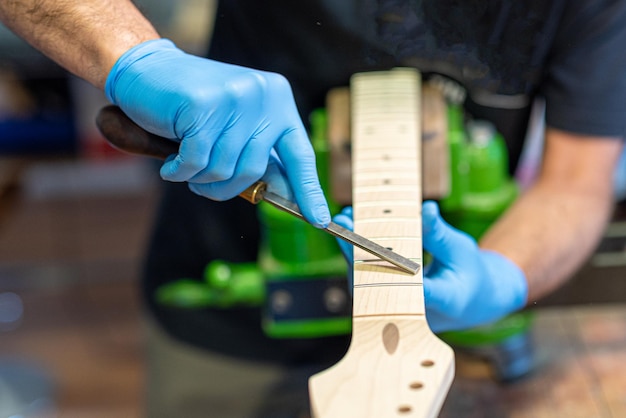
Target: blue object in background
<point>46,125</point>
<point>26,390</point>
<point>620,178</point>
<point>41,134</point>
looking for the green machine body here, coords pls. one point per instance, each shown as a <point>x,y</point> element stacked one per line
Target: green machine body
<point>299,279</point>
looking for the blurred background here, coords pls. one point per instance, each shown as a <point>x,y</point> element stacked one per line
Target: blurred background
<point>74,219</point>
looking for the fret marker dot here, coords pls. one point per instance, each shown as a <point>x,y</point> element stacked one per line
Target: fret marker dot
<point>428,363</point>
<point>404,409</point>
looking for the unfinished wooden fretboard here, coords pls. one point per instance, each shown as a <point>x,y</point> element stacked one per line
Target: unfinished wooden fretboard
<point>395,367</point>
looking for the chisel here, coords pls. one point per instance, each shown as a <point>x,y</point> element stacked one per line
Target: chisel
<point>126,135</point>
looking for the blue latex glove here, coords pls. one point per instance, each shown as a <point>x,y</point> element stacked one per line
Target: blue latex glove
<point>228,119</point>
<point>464,286</point>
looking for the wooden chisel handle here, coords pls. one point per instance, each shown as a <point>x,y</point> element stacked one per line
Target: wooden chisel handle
<point>124,134</point>
<point>127,136</point>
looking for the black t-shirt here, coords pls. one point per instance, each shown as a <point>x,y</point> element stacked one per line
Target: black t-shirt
<point>503,53</point>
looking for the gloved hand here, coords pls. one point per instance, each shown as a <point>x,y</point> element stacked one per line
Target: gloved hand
<point>464,286</point>
<point>228,119</point>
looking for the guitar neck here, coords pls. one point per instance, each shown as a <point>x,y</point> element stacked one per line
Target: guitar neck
<point>395,367</point>
<point>386,190</point>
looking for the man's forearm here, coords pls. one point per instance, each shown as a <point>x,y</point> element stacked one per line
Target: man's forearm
<point>549,234</point>
<point>86,36</point>
<point>552,229</point>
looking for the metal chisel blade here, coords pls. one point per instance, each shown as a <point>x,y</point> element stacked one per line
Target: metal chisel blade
<point>357,240</point>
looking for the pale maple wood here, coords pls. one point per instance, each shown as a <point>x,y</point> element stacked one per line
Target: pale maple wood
<point>338,132</point>
<point>436,160</point>
<point>435,148</point>
<point>395,366</point>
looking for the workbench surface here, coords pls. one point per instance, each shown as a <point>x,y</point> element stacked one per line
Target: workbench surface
<point>580,372</point>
